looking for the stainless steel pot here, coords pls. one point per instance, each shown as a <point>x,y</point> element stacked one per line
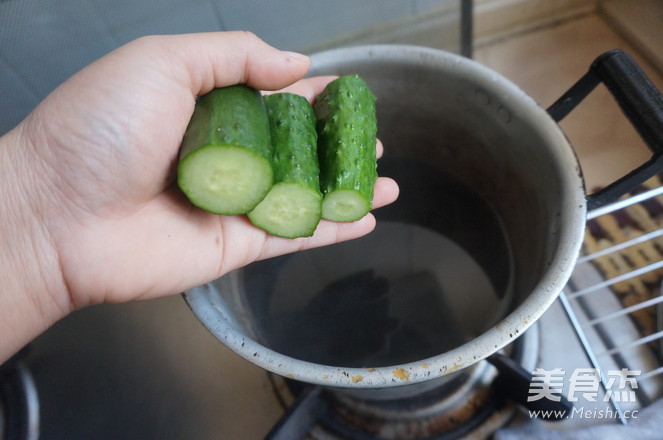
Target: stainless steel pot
<point>482,239</point>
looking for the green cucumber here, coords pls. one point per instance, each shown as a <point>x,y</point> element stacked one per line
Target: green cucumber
<point>293,206</point>
<point>347,129</point>
<point>225,158</point>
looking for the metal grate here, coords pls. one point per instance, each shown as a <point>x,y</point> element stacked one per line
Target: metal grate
<point>614,300</point>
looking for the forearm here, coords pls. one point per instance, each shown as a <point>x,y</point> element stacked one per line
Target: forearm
<point>31,289</point>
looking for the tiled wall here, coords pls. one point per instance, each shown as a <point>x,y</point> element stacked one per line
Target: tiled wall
<point>42,42</point>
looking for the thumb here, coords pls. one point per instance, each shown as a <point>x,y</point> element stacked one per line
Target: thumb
<point>204,61</point>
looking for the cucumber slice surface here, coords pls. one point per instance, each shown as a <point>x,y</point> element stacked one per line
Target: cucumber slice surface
<point>289,210</point>
<point>225,158</point>
<point>345,205</point>
<point>225,179</point>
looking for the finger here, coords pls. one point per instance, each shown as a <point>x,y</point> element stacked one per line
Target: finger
<point>204,61</point>
<point>386,192</point>
<point>308,87</point>
<point>326,233</point>
<point>312,87</point>
<point>379,149</point>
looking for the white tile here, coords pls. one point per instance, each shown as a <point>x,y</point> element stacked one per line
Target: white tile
<point>423,6</point>
<point>19,99</point>
<point>46,42</point>
<point>179,18</point>
<point>118,13</point>
<point>307,23</point>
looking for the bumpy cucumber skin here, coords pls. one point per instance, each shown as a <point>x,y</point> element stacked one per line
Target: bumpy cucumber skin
<point>295,161</point>
<point>230,116</point>
<point>347,130</point>
<point>234,115</point>
<point>294,140</point>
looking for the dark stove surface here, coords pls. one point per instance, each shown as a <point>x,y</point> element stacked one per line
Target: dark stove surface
<point>146,370</point>
<point>19,405</point>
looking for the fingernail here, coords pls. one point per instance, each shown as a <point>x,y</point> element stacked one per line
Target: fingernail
<point>297,56</point>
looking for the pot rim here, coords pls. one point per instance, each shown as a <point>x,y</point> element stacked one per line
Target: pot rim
<point>205,304</point>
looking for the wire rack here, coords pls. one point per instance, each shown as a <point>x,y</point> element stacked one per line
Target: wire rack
<point>613,300</point>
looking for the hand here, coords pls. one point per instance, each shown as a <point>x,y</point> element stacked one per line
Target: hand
<point>94,213</point>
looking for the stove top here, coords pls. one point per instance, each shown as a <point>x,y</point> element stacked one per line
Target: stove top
<point>469,405</point>
<point>19,401</point>
<point>150,369</point>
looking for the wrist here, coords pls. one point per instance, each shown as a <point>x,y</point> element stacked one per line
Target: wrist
<point>32,293</point>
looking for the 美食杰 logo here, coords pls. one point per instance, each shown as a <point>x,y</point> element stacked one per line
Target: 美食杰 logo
<point>585,385</point>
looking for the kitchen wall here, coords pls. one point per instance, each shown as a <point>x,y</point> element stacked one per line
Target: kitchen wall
<point>43,42</point>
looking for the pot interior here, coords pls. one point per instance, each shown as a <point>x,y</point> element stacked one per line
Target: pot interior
<point>485,230</point>
<point>434,274</point>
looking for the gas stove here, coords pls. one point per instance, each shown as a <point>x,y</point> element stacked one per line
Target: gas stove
<point>471,405</point>
<point>150,370</point>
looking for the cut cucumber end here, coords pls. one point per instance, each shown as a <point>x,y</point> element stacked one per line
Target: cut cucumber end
<point>289,210</point>
<point>225,179</point>
<point>345,205</point>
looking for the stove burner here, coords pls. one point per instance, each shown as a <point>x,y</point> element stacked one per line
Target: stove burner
<point>417,419</point>
<point>467,406</point>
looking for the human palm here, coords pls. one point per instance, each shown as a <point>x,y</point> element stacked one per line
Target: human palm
<point>107,144</point>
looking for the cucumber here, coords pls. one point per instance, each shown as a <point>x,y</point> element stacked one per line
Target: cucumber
<point>225,158</point>
<point>347,129</point>
<point>293,206</point>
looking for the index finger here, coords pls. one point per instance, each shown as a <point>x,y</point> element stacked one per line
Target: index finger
<point>311,87</point>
